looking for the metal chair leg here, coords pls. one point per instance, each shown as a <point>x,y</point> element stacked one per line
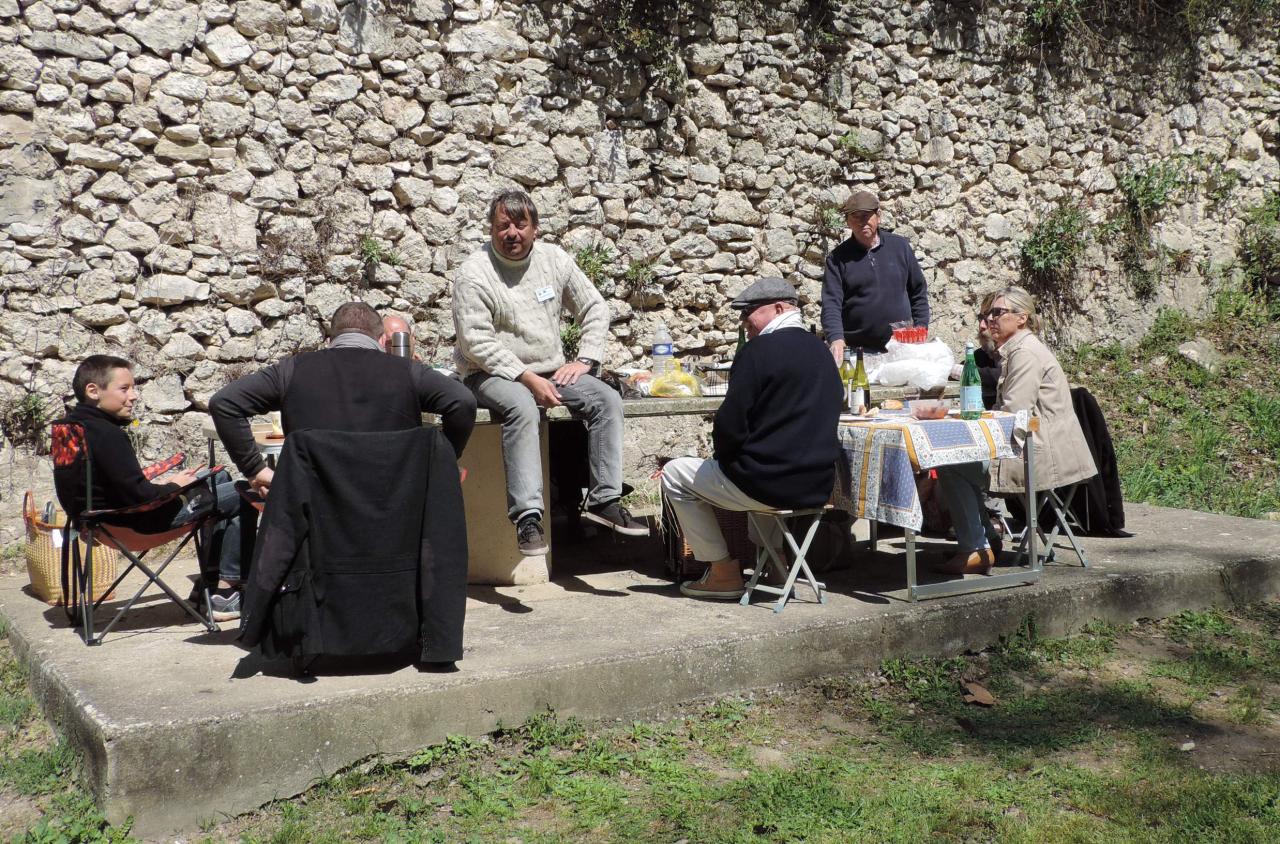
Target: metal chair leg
<point>800,566</point>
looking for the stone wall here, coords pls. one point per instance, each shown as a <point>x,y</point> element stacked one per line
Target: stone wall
<point>198,186</point>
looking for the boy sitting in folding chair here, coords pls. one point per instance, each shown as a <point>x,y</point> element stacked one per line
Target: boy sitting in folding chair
<point>104,387</point>
<point>774,438</point>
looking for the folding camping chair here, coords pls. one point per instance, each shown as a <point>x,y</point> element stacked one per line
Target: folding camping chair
<point>73,482</point>
<point>767,556</point>
<point>1063,520</point>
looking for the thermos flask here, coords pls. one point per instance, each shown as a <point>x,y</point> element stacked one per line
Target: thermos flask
<point>399,345</point>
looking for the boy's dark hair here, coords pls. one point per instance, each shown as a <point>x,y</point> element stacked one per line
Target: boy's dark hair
<point>96,369</point>
<point>356,317</point>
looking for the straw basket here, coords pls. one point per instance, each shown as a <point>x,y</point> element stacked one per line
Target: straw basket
<point>680,561</point>
<point>44,559</point>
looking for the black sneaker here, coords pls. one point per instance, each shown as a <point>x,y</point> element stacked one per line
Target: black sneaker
<point>529,536</point>
<point>616,518</point>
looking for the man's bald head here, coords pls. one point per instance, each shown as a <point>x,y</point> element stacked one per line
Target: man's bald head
<point>392,323</point>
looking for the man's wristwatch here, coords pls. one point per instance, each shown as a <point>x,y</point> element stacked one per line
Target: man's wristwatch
<point>590,362</point>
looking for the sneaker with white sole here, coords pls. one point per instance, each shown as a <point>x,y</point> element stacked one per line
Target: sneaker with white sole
<point>616,518</point>
<point>225,606</point>
<point>700,588</point>
<point>530,537</point>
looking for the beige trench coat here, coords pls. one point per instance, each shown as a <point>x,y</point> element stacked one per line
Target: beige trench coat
<point>1032,379</point>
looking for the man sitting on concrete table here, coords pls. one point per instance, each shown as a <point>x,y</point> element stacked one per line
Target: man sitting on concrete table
<point>872,280</point>
<point>774,436</point>
<point>508,298</point>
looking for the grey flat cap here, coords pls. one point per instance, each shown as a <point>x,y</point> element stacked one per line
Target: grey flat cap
<point>763,292</point>
<point>861,200</point>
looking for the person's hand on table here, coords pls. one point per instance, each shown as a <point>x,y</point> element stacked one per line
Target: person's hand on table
<point>261,482</point>
<point>837,351</point>
<point>957,371</point>
<point>544,392</point>
<point>570,373</point>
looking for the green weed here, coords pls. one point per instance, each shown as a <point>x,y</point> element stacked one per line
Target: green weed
<point>24,422</point>
<point>37,770</point>
<point>858,144</point>
<point>640,274</point>
<point>594,262</point>
<point>1050,254</point>
<point>571,339</point>
<point>374,251</point>
<point>455,748</point>
<point>545,731</point>
<point>73,819</point>
<point>1260,245</point>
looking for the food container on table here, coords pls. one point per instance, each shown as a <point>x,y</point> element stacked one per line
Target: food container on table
<point>928,408</point>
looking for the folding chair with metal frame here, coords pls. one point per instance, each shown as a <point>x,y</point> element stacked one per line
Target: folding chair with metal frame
<point>766,555</point>
<point>1063,519</point>
<point>73,469</point>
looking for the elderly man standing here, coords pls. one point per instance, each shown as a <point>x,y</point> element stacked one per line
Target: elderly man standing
<point>774,436</point>
<point>508,300</point>
<point>871,281</point>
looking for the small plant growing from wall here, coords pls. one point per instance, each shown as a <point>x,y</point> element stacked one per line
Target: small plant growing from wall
<point>594,262</point>
<point>1145,192</point>
<point>24,421</point>
<point>1050,255</point>
<point>374,252</point>
<point>1260,245</point>
<point>828,221</point>
<point>640,273</point>
<point>857,146</point>
<point>570,338</point>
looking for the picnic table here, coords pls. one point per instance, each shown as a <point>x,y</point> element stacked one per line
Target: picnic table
<point>876,479</point>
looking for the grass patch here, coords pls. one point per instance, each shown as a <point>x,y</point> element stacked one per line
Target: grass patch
<point>1082,744</point>
<point>1183,437</point>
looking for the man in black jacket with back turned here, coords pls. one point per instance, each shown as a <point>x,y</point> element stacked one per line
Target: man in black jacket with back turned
<point>350,386</point>
<point>774,436</point>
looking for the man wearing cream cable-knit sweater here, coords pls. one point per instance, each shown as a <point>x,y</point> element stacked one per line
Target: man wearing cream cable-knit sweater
<point>508,298</point>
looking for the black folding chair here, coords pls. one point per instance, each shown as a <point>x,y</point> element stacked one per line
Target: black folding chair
<point>73,482</point>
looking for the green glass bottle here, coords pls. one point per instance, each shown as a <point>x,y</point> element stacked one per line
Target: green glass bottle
<point>861,394</point>
<point>970,387</point>
<point>742,337</point>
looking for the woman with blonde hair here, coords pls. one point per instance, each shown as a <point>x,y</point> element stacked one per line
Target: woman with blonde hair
<point>1030,379</point>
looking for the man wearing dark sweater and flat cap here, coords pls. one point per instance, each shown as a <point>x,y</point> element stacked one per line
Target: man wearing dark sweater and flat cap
<point>774,436</point>
<point>871,281</point>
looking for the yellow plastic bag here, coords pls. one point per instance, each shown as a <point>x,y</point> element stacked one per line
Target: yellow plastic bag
<point>676,384</point>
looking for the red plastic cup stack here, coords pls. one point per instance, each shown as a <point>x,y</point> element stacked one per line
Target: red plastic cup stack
<point>918,334</point>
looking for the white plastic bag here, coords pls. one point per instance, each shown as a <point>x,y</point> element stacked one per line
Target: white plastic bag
<point>924,366</point>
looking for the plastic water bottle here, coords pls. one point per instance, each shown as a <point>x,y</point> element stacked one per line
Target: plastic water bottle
<point>662,350</point>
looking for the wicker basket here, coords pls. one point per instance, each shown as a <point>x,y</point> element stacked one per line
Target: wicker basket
<point>44,559</point>
<point>679,557</point>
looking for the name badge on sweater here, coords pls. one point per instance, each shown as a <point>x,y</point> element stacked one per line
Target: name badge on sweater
<point>544,294</point>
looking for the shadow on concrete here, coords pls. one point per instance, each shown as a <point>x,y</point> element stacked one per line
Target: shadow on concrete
<point>490,595</point>
<point>252,665</point>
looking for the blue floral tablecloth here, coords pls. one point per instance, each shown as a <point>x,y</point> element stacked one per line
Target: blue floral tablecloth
<point>877,477</point>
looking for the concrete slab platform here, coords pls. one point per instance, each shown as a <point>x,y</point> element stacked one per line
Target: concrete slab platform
<point>179,726</point>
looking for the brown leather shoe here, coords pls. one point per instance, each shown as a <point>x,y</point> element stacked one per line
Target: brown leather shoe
<point>974,562</point>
